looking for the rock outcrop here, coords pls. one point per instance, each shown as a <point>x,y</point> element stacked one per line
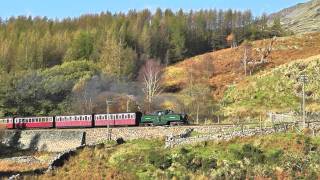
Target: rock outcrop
<point>301,18</point>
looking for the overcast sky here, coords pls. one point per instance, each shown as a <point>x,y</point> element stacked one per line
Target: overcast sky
<point>73,8</point>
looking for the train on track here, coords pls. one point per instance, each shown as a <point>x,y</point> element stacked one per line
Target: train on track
<point>158,118</point>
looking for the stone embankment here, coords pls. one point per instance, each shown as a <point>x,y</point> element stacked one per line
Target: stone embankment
<point>172,141</point>
<point>43,140</point>
<point>129,133</point>
<point>58,140</point>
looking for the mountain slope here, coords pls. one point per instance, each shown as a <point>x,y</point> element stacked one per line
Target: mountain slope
<point>276,90</point>
<point>301,18</point>
<point>225,66</point>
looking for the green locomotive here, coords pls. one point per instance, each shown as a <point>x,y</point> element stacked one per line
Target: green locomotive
<point>166,117</point>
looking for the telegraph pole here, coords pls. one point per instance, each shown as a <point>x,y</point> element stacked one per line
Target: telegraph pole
<point>108,102</point>
<point>304,79</point>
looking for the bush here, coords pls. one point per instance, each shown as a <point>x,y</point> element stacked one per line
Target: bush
<point>254,154</point>
<point>159,160</point>
<point>274,155</point>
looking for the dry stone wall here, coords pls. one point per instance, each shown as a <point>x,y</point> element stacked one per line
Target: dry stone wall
<point>43,140</point>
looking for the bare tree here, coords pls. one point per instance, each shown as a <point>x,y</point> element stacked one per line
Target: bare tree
<point>151,74</point>
<point>263,52</point>
<point>266,50</point>
<point>247,57</point>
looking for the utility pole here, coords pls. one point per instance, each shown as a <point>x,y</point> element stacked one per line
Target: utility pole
<point>108,102</point>
<point>304,79</point>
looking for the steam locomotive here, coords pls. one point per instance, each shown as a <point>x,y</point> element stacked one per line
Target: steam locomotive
<point>166,117</point>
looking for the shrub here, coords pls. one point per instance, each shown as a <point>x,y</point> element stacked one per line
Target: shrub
<point>274,155</point>
<point>250,152</point>
<point>159,160</point>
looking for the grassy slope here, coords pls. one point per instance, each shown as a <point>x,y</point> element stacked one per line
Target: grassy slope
<point>279,155</point>
<point>226,67</point>
<point>276,90</point>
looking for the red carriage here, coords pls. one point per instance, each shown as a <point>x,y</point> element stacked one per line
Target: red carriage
<point>33,122</point>
<point>6,123</point>
<point>123,119</point>
<point>73,121</point>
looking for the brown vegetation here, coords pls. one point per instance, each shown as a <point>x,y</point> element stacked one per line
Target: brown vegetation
<point>227,66</point>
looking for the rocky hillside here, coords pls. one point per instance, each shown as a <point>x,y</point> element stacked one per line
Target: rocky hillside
<point>301,18</point>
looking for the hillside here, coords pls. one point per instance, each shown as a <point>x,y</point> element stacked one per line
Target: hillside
<point>301,18</point>
<point>225,68</point>
<point>278,156</point>
<point>276,90</point>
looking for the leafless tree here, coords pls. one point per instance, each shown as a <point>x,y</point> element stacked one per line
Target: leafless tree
<point>250,62</point>
<point>266,50</point>
<point>247,56</point>
<point>151,74</point>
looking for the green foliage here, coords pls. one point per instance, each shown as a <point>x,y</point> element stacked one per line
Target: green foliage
<point>35,43</point>
<point>254,154</point>
<point>277,90</point>
<point>82,46</point>
<point>236,159</point>
<point>35,52</point>
<point>159,160</point>
<point>44,91</point>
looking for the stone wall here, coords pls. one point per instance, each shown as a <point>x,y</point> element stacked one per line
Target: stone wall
<point>129,133</point>
<point>172,141</point>
<point>44,140</point>
<point>57,140</point>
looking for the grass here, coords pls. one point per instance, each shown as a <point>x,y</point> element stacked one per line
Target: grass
<point>20,167</point>
<point>264,156</point>
<point>276,90</point>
